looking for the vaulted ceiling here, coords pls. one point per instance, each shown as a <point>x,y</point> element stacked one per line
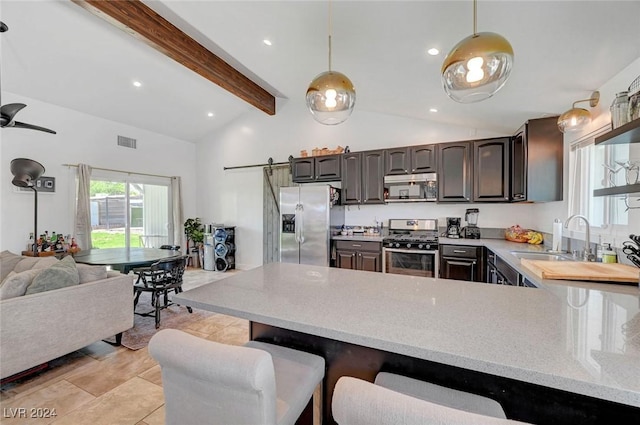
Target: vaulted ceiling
<point>58,52</point>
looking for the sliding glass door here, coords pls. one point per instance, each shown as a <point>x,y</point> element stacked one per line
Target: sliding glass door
<point>130,210</point>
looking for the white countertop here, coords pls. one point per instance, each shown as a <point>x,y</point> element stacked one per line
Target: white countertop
<point>577,338</point>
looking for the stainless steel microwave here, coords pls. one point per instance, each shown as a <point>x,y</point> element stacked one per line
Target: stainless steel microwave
<point>411,188</point>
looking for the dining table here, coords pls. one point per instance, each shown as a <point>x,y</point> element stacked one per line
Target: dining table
<point>124,259</point>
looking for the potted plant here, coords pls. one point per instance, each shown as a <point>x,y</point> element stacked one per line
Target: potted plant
<point>194,231</point>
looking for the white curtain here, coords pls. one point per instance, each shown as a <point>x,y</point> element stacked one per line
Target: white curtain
<point>176,208</point>
<point>82,228</point>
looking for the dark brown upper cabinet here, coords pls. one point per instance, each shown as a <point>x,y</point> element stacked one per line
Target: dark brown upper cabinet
<point>411,160</point>
<point>397,161</point>
<point>455,171</point>
<point>491,170</point>
<point>424,159</point>
<point>316,169</point>
<point>373,177</point>
<point>363,177</point>
<point>537,154</point>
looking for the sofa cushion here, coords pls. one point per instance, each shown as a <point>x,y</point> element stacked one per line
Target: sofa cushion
<point>8,261</point>
<point>28,263</point>
<point>87,273</point>
<point>16,284</point>
<point>62,274</point>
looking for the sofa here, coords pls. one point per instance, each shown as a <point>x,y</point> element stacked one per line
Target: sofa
<point>51,307</point>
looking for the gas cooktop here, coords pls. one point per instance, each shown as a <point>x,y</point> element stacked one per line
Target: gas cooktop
<point>412,234</point>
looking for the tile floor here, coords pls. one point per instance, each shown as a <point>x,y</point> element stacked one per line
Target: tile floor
<point>102,384</point>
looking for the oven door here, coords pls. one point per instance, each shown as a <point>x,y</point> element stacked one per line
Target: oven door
<point>410,262</point>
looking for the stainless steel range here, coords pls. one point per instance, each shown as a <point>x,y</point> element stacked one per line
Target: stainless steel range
<point>411,248</point>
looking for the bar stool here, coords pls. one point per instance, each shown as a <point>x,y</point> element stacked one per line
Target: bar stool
<point>358,402</point>
<point>209,382</point>
<point>441,395</point>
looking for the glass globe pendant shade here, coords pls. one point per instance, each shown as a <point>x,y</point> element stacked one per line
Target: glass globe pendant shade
<point>477,67</point>
<point>575,119</point>
<point>331,98</point>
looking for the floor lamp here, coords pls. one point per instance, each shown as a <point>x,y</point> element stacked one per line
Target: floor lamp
<point>25,173</point>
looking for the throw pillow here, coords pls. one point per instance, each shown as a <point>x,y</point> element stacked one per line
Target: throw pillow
<point>88,273</point>
<point>62,274</point>
<point>16,284</point>
<point>29,263</point>
<point>8,262</point>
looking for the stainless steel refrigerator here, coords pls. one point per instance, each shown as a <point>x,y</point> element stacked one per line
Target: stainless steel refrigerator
<point>308,213</point>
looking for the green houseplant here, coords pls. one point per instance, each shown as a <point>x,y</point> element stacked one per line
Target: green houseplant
<point>193,229</point>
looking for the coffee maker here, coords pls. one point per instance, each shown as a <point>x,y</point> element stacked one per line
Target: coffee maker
<point>453,227</point>
<point>471,231</point>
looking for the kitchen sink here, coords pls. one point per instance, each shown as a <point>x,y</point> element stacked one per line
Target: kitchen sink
<point>544,256</point>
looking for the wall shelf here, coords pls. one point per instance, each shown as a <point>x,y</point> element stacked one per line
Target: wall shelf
<point>625,134</point>
<point>618,190</point>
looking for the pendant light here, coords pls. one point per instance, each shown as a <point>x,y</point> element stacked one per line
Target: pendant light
<point>478,66</point>
<point>331,95</point>
<point>575,119</point>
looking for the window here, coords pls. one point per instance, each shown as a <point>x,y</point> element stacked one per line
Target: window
<point>130,210</point>
<point>593,167</point>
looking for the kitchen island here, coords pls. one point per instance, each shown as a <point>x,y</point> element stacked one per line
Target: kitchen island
<point>542,353</point>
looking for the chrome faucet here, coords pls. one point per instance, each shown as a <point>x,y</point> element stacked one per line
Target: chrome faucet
<point>586,254</point>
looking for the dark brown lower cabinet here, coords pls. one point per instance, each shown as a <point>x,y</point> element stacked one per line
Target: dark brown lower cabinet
<point>355,255</point>
<point>461,262</point>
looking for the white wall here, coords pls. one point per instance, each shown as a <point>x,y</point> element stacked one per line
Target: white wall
<point>81,138</point>
<point>544,214</point>
<point>234,197</point>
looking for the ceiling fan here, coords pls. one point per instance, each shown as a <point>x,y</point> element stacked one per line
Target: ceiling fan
<point>7,112</point>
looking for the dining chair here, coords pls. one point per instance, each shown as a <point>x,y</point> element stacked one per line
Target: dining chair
<point>159,279</point>
<point>207,382</point>
<point>358,402</point>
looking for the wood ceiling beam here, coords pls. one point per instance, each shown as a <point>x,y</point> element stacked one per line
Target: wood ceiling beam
<point>143,23</point>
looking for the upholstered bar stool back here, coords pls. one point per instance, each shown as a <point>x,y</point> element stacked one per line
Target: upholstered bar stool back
<point>206,382</point>
<point>358,402</point>
<point>441,395</point>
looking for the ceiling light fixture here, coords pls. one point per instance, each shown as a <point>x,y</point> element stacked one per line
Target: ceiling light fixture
<point>433,110</point>
<point>137,83</point>
<point>433,51</point>
<point>331,95</point>
<point>478,66</point>
<point>575,119</point>
<point>267,42</point>
<point>210,114</point>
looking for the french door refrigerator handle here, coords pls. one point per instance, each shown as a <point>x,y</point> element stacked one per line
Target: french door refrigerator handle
<point>300,220</point>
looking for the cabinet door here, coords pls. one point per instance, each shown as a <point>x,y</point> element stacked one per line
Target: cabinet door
<point>424,159</point>
<point>328,168</point>
<point>458,268</point>
<point>492,274</point>
<point>303,169</point>
<point>455,171</point>
<point>491,170</point>
<point>373,177</point>
<point>396,161</point>
<point>352,178</point>
<point>346,260</point>
<point>519,166</point>
<point>370,261</point>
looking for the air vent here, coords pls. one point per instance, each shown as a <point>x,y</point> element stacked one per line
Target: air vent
<point>127,142</point>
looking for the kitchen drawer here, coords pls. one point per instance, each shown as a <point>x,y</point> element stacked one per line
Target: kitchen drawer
<point>359,246</point>
<point>461,251</point>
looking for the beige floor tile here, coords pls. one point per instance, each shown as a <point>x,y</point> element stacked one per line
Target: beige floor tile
<point>155,418</point>
<point>128,403</point>
<point>46,404</point>
<point>113,371</point>
<point>231,335</point>
<point>153,375</point>
<point>58,369</point>
<point>100,350</point>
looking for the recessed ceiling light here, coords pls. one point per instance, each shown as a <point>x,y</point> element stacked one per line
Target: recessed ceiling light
<point>433,51</point>
<point>433,110</point>
<point>210,114</point>
<point>267,42</point>
<point>137,83</point>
